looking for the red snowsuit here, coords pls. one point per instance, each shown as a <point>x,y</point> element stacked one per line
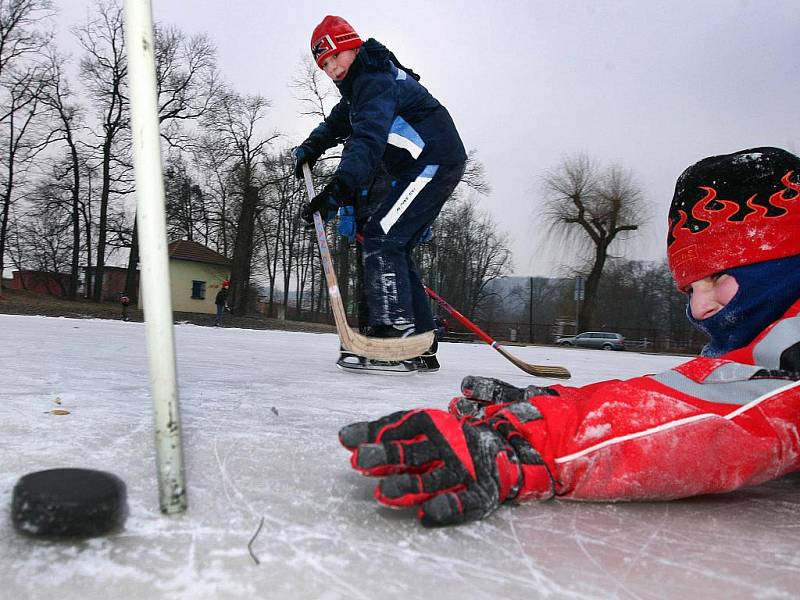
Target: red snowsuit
<point>703,427</point>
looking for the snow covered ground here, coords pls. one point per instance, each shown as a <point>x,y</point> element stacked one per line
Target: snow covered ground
<point>260,413</point>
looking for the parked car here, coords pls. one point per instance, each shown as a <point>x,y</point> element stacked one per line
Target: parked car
<point>594,339</point>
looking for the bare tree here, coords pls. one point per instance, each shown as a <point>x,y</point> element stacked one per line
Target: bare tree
<point>66,128</point>
<point>534,300</point>
<point>187,81</point>
<point>21,34</point>
<point>585,209</point>
<point>23,136</point>
<point>211,160</point>
<point>42,236</point>
<point>313,89</point>
<point>186,211</point>
<point>104,70</point>
<point>22,38</point>
<point>474,176</point>
<point>235,120</point>
<point>466,254</point>
<point>186,77</point>
<point>279,225</point>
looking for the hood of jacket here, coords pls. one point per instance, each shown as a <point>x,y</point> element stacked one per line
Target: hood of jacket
<point>372,57</point>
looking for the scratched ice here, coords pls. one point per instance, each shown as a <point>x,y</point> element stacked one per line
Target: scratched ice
<point>260,412</point>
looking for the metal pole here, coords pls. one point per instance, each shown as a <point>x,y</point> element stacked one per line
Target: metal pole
<point>530,311</point>
<point>155,283</point>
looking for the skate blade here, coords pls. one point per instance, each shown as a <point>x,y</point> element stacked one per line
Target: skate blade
<point>358,368</point>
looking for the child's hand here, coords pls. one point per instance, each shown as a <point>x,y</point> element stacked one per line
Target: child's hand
<point>305,154</point>
<point>453,470</point>
<point>327,202</point>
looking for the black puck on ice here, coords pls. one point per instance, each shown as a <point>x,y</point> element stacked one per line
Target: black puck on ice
<point>68,503</point>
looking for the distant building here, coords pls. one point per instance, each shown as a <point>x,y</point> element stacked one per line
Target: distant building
<point>113,283</point>
<point>196,275</point>
<point>40,282</point>
<point>57,284</point>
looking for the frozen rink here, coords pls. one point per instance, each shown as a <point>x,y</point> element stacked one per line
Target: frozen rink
<point>260,414</point>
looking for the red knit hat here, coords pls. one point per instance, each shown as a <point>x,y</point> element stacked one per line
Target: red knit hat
<point>332,36</point>
<point>226,283</point>
<point>733,210</point>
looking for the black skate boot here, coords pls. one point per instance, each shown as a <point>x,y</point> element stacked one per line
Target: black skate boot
<point>391,331</point>
<point>427,361</point>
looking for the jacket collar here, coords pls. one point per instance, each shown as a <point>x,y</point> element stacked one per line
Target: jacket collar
<point>372,56</point>
<point>777,347</point>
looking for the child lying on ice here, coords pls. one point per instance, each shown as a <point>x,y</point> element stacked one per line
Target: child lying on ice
<point>727,419</point>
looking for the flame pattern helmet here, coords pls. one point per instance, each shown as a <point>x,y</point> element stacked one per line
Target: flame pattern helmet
<point>733,210</point>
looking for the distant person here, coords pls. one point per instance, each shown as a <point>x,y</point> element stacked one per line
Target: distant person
<point>125,302</point>
<point>222,302</point>
<point>727,419</point>
<point>402,159</point>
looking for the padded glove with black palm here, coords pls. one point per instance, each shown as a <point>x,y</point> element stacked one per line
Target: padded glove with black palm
<point>479,392</point>
<point>327,202</point>
<point>306,153</point>
<point>453,470</point>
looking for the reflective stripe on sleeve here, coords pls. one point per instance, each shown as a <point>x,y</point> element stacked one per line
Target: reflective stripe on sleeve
<point>767,352</point>
<point>404,136</point>
<point>676,423</point>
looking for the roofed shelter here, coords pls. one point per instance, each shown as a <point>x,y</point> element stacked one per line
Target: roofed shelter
<point>196,275</point>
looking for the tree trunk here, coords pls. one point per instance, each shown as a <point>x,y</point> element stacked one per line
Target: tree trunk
<point>131,284</point>
<point>105,193</point>
<point>243,252</point>
<point>87,223</point>
<point>587,312</point>
<point>75,217</point>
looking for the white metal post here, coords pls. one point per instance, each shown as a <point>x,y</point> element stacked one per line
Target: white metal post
<point>155,282</point>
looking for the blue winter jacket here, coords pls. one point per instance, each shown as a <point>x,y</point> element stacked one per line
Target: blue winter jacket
<point>386,116</point>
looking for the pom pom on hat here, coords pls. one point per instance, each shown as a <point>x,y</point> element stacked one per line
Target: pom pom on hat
<point>733,210</point>
<point>331,36</point>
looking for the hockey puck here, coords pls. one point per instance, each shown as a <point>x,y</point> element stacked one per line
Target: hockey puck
<point>68,503</point>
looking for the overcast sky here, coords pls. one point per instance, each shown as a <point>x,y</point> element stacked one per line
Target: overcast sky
<point>652,86</point>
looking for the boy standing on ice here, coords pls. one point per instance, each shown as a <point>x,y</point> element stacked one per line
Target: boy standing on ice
<point>402,159</point>
<point>728,419</point>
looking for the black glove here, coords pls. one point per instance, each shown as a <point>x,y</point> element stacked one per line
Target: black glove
<point>480,392</point>
<point>453,470</point>
<point>327,202</point>
<point>306,153</point>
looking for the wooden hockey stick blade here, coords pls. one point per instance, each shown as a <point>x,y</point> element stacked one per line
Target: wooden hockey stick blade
<point>352,341</point>
<point>390,348</point>
<point>536,370</point>
<point>383,348</point>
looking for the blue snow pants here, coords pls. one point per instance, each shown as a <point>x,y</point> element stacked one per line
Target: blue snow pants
<point>399,213</point>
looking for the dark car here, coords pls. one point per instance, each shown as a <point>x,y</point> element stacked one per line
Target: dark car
<point>594,339</point>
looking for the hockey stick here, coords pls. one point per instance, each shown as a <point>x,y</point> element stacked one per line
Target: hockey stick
<point>537,370</point>
<point>352,341</point>
<point>555,372</point>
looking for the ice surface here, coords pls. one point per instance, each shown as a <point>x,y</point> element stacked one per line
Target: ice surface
<point>260,412</point>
